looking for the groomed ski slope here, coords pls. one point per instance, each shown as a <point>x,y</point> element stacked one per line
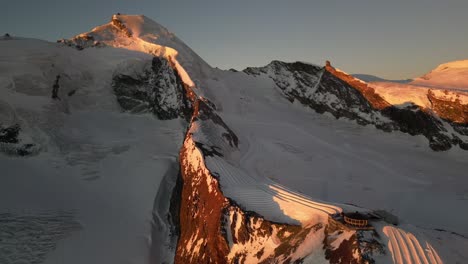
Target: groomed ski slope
<point>405,248</point>
<point>330,160</point>
<point>269,127</point>
<point>285,143</point>
<point>264,196</point>
<point>271,200</point>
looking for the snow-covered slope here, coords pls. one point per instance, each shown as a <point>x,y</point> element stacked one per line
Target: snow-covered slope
<point>329,90</point>
<point>262,177</point>
<point>318,156</point>
<point>440,92</point>
<point>451,75</point>
<point>137,32</point>
<point>88,189</point>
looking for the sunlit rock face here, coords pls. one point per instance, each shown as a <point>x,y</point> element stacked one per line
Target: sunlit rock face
<point>158,89</point>
<point>215,229</point>
<point>87,40</point>
<point>326,89</point>
<point>448,106</point>
<point>319,88</point>
<point>200,239</point>
<point>208,220</point>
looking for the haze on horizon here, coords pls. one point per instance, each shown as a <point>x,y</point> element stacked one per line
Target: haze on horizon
<point>393,39</point>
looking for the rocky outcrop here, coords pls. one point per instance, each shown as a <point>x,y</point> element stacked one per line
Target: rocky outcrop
<point>200,240</point>
<point>450,108</point>
<point>203,224</point>
<point>120,26</point>
<point>87,40</point>
<point>375,100</point>
<point>321,90</point>
<point>347,251</point>
<point>214,228</point>
<point>81,42</point>
<point>211,227</point>
<point>250,236</point>
<point>413,120</point>
<point>326,89</point>
<point>10,142</point>
<point>7,36</point>
<point>158,90</point>
<point>9,134</point>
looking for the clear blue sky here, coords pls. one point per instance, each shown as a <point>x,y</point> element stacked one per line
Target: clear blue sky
<point>392,39</point>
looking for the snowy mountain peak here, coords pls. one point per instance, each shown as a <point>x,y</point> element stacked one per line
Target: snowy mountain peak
<point>139,33</point>
<point>450,75</point>
<point>131,31</point>
<point>140,26</point>
<point>245,178</point>
<point>460,64</point>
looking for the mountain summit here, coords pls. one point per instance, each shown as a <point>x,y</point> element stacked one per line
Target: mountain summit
<point>451,75</point>
<point>130,148</point>
<point>139,33</point>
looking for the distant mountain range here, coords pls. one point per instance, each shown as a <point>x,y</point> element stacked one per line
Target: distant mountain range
<point>372,78</point>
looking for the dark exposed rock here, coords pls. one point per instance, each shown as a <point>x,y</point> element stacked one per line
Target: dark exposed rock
<point>81,42</point>
<point>25,150</point>
<point>370,245</point>
<point>208,151</point>
<point>462,129</point>
<point>10,143</point>
<point>9,134</point>
<point>55,88</point>
<point>319,89</point>
<point>414,121</point>
<point>6,37</point>
<point>463,145</point>
<point>326,89</point>
<point>205,112</point>
<point>159,90</point>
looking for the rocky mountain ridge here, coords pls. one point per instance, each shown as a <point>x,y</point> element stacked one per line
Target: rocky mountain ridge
<point>326,89</point>
<point>210,225</point>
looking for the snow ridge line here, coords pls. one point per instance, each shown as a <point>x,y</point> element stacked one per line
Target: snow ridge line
<point>271,190</point>
<point>275,189</point>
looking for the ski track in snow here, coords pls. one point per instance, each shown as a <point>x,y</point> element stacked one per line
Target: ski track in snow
<point>250,187</point>
<point>406,249</point>
<point>263,195</point>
